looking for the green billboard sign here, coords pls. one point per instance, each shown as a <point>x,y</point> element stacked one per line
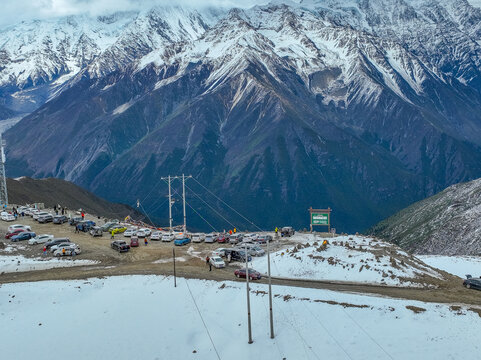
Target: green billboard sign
<point>320,218</point>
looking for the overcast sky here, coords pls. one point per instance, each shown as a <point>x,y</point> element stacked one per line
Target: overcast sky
<point>13,11</point>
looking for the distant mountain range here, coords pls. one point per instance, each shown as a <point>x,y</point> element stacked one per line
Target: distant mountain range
<point>364,106</point>
<point>448,223</point>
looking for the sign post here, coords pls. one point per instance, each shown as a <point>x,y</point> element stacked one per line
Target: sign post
<point>320,217</point>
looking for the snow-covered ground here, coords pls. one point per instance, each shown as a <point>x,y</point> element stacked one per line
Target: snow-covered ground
<point>456,265</point>
<point>145,317</point>
<point>19,263</point>
<point>346,258</point>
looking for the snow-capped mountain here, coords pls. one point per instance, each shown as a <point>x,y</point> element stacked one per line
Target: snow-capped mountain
<point>37,58</point>
<point>362,105</point>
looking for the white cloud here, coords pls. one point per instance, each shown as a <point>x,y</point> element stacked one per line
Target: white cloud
<point>14,11</point>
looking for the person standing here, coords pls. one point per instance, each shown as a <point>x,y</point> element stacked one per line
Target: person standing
<point>83,215</point>
<point>63,251</point>
<point>207,260</point>
<point>112,235</point>
<point>210,266</point>
<point>44,250</point>
<point>145,241</point>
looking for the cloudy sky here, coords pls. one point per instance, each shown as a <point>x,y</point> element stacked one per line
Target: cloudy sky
<point>13,11</point>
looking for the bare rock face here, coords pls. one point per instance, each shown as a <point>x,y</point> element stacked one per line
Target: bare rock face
<point>364,108</point>
<point>445,224</point>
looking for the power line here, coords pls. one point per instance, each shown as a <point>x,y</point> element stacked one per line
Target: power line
<point>197,213</point>
<point>211,207</point>
<point>205,326</point>
<point>230,207</point>
<point>327,331</point>
<point>146,214</point>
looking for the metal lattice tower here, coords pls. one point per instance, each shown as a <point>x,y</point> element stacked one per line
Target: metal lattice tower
<point>3,180</point>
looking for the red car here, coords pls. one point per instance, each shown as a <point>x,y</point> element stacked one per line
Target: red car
<point>222,239</point>
<point>14,232</point>
<point>134,241</point>
<point>253,275</point>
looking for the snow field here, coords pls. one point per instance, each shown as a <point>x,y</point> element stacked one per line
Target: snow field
<point>145,317</point>
<point>456,265</point>
<point>19,263</point>
<point>346,258</point>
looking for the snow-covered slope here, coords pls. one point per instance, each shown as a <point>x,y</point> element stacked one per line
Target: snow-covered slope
<point>349,258</point>
<point>208,320</point>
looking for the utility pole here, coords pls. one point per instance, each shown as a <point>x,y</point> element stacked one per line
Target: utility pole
<point>175,275</point>
<point>248,297</point>
<point>3,180</point>
<point>170,209</point>
<point>169,180</point>
<point>270,290</point>
<point>183,197</point>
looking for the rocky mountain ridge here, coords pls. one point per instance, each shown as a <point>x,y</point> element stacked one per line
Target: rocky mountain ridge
<point>447,223</point>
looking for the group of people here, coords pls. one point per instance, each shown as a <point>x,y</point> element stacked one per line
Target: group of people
<point>59,209</point>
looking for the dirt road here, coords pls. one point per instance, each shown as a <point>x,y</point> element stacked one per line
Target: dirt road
<point>156,258</point>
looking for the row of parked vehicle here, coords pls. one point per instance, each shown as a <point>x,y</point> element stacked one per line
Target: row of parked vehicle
<point>57,246</point>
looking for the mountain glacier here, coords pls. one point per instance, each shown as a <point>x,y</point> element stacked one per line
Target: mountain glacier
<point>361,105</point>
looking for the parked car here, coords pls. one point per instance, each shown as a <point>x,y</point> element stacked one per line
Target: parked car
<point>249,238</point>
<point>56,241</point>
<point>240,255</point>
<point>39,214</point>
<point>209,239</point>
<point>255,250</point>
<point>156,235</point>
<point>19,226</point>
<point>40,239</point>
<point>181,242</point>
<point>263,239</point>
<point>60,219</point>
<point>253,275</point>
<point>130,231</point>
<point>142,233</point>
<point>96,231</point>
<point>147,231</point>
<point>69,250</point>
<point>134,241</point>
<point>15,232</point>
<point>217,262</point>
<point>5,216</point>
<point>222,238</point>
<point>168,237</point>
<point>219,252</point>
<point>472,283</point>
<point>53,248</point>
<point>85,225</point>
<point>117,229</point>
<point>75,220</point>
<point>45,218</point>
<point>120,246</point>
<point>106,227</point>
<point>287,231</point>
<point>24,235</point>
<point>235,238</point>
<point>197,238</point>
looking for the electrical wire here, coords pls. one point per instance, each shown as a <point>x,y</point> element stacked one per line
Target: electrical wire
<point>146,214</point>
<point>200,314</point>
<point>327,331</point>
<point>208,223</point>
<point>230,207</point>
<point>214,210</point>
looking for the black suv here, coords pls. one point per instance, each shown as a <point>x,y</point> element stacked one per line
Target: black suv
<point>56,241</point>
<point>59,219</point>
<point>120,246</point>
<point>472,283</point>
